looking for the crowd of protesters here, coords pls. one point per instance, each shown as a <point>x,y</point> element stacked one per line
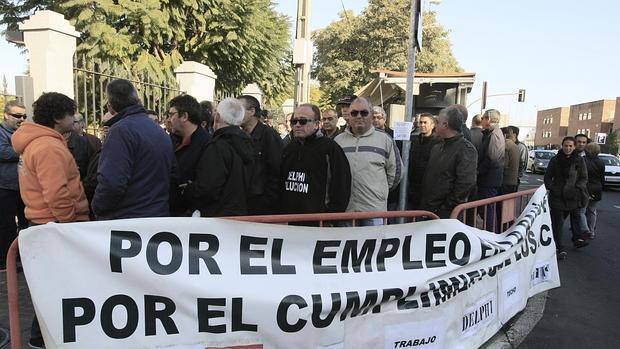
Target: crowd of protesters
<point>223,160</point>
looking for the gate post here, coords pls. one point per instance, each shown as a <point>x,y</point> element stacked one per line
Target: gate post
<point>51,42</point>
<point>197,80</point>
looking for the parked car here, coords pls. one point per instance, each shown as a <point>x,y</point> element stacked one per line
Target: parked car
<point>612,170</point>
<point>539,160</point>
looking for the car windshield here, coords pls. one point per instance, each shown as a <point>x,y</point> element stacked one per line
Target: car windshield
<point>610,160</point>
<point>544,155</point>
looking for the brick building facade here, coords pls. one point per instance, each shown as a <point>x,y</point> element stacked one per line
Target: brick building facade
<point>592,117</point>
<point>587,118</point>
<point>551,126</point>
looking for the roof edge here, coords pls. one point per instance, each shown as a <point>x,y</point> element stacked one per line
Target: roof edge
<point>392,73</point>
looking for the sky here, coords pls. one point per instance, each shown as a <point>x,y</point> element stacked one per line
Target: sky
<point>561,52</point>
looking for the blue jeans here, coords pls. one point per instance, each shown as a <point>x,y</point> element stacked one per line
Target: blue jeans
<point>490,210</point>
<point>591,215</point>
<point>578,223</point>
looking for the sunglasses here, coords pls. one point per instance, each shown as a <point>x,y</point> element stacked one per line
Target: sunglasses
<point>19,116</point>
<point>362,113</point>
<point>302,122</point>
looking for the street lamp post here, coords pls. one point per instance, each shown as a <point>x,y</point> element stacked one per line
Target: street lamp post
<point>409,112</point>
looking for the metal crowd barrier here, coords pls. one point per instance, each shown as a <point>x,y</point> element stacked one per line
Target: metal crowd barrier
<point>327,218</point>
<point>494,214</point>
<point>13,296</point>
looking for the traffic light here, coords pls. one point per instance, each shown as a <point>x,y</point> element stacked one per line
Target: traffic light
<point>521,95</point>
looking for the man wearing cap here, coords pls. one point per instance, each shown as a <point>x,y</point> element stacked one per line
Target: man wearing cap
<point>374,161</point>
<point>315,174</point>
<point>343,106</point>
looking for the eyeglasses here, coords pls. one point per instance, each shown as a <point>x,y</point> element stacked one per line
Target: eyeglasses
<point>362,113</point>
<point>329,118</point>
<point>302,122</point>
<point>169,114</point>
<point>19,116</point>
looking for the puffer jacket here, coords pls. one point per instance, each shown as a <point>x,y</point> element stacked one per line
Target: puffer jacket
<point>375,168</point>
<point>49,179</point>
<point>566,179</point>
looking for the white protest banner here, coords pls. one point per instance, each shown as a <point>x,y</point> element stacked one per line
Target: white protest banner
<point>215,283</point>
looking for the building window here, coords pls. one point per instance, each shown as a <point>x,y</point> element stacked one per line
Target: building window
<point>587,133</point>
<point>589,115</point>
<point>548,120</point>
<point>580,116</point>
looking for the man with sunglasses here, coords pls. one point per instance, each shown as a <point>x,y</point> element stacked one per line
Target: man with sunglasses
<point>374,161</point>
<point>11,204</point>
<point>315,174</point>
<point>329,121</point>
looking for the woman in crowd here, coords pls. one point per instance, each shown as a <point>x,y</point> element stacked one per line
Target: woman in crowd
<point>566,179</point>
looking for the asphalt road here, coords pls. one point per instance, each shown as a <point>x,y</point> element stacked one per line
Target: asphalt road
<point>585,311</point>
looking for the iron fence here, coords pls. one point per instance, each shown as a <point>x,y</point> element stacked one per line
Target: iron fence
<point>91,77</point>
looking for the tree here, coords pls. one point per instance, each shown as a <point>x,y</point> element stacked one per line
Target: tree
<point>241,41</point>
<point>612,144</point>
<point>378,38</point>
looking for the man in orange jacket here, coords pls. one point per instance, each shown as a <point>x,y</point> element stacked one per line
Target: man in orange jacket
<point>49,180</point>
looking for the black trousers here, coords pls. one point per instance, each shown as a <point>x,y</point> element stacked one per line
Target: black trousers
<point>557,224</point>
<point>11,207</point>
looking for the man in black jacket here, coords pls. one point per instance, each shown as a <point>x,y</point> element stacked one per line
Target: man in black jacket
<point>263,192</point>
<point>222,173</point>
<point>315,174</point>
<point>451,172</point>
<point>184,114</point>
<point>421,145</point>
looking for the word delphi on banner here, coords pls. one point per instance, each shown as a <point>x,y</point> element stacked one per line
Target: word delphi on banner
<point>217,283</point>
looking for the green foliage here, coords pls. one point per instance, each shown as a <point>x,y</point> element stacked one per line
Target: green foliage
<point>241,41</point>
<point>612,145</point>
<point>378,38</point>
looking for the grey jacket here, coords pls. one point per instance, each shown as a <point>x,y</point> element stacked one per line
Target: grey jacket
<point>450,175</point>
<point>491,158</point>
<point>375,168</point>
<point>522,158</point>
<point>8,160</point>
